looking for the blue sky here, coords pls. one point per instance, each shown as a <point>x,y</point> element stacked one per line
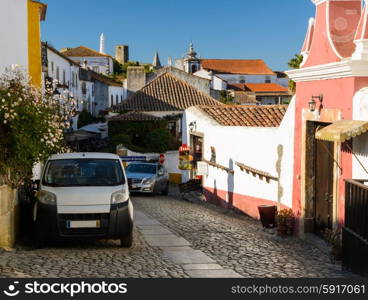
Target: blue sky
<point>272,30</point>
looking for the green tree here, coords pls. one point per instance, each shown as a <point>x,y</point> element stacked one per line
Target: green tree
<point>295,63</point>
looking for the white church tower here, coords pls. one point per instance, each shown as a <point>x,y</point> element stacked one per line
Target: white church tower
<point>102,43</point>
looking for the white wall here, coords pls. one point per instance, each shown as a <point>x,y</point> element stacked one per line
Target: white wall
<point>253,146</point>
<point>171,160</point>
<point>116,91</point>
<point>55,62</point>
<point>236,78</point>
<point>13,34</point>
<point>104,64</point>
<point>360,143</point>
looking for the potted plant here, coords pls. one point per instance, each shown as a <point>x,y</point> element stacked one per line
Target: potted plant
<point>285,222</point>
<point>333,238</point>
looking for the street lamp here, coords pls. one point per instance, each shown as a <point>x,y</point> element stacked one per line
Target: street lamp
<point>313,103</point>
<point>192,126</point>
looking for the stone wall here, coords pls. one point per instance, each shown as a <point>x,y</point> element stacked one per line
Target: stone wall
<point>9,216</point>
<point>136,79</point>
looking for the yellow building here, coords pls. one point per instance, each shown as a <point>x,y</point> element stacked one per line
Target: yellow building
<point>20,36</point>
<point>36,14</point>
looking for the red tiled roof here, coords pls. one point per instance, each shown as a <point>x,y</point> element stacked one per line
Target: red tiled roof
<point>83,51</point>
<point>258,87</point>
<point>166,93</point>
<point>134,116</point>
<point>237,66</point>
<point>250,116</point>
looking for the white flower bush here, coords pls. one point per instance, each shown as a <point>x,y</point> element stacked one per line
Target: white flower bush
<point>32,123</point>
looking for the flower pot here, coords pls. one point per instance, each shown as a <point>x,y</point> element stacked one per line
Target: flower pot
<point>290,226</point>
<point>267,215</point>
<point>282,230</point>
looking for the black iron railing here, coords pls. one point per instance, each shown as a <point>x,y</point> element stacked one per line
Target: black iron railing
<point>355,230</point>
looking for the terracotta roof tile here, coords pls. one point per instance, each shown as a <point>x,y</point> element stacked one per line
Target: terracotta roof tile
<point>166,93</point>
<point>258,87</point>
<point>250,116</point>
<point>237,66</point>
<point>265,87</point>
<point>134,116</point>
<point>83,51</point>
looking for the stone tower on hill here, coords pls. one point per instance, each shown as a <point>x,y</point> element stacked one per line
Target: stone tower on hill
<point>122,53</point>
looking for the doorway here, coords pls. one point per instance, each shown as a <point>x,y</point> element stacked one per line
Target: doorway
<point>324,169</point>
<point>319,181</point>
<point>196,142</point>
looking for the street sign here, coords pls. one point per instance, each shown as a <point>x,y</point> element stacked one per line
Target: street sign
<point>133,158</point>
<point>202,168</point>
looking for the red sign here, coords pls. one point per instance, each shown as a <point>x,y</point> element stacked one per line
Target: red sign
<point>184,148</point>
<point>162,159</point>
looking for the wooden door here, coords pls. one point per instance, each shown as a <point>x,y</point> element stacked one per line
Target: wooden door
<point>323,185</point>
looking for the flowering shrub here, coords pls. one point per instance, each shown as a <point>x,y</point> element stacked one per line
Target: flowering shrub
<point>32,122</point>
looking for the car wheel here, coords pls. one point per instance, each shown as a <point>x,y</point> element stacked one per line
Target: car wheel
<point>127,242</point>
<point>165,192</point>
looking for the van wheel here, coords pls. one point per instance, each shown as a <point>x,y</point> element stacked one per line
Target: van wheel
<point>127,241</point>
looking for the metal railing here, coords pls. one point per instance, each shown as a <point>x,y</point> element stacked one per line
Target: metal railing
<point>355,230</point>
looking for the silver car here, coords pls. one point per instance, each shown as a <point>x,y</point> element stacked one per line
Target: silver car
<point>149,178</point>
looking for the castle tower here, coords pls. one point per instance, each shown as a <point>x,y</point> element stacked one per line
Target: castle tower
<point>122,53</point>
<point>191,62</point>
<point>102,43</point>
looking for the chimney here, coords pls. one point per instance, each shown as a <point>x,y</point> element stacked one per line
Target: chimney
<point>136,78</point>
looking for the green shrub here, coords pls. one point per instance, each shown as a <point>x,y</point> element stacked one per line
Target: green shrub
<point>158,140</point>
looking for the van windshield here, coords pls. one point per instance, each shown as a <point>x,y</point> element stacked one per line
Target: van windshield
<point>83,172</point>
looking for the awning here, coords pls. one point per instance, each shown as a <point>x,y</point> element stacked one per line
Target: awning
<point>342,131</point>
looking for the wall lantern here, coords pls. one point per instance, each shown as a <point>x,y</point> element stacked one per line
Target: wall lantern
<point>193,126</point>
<point>313,103</point>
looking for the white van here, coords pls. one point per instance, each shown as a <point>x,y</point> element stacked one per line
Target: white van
<point>84,195</point>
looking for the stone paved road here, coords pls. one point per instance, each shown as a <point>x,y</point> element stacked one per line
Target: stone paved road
<point>99,259</point>
<point>238,242</point>
<point>229,242</point>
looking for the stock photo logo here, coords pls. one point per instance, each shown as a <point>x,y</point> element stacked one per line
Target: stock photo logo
<point>12,290</point>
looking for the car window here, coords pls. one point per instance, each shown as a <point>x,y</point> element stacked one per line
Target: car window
<point>142,168</point>
<point>83,172</point>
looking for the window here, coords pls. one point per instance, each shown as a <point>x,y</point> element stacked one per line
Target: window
<point>84,88</point>
<point>64,79</point>
<point>95,69</point>
<point>117,99</point>
<point>112,100</point>
<point>194,68</point>
<point>57,73</point>
<point>242,79</point>
<point>52,68</point>
<point>121,98</point>
<point>268,79</point>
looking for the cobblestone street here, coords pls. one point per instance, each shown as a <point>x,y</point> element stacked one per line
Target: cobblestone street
<point>235,244</point>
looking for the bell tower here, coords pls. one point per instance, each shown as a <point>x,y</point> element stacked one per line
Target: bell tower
<point>192,63</point>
